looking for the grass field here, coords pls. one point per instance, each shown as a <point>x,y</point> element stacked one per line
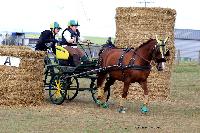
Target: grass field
<point>179,114</point>
<point>97,40</point>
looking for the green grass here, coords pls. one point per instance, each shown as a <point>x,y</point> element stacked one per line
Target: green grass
<point>186,82</point>
<point>32,35</point>
<point>98,40</point>
<point>187,67</point>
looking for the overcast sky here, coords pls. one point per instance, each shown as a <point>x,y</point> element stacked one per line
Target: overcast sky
<point>96,17</point>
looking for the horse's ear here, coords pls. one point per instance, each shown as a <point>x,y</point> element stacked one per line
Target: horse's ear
<point>158,41</point>
<point>166,39</point>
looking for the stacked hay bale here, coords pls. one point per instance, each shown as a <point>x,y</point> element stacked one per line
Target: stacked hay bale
<point>134,26</point>
<point>22,85</point>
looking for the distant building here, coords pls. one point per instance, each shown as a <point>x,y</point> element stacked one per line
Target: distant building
<point>1,39</point>
<point>18,38</point>
<point>187,41</point>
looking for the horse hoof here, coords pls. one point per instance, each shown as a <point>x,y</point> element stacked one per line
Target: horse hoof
<point>98,102</point>
<point>122,110</point>
<point>144,109</point>
<point>105,105</point>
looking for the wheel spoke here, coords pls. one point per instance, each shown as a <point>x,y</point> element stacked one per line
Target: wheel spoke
<point>57,90</point>
<point>72,88</point>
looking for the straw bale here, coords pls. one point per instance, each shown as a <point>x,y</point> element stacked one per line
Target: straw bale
<point>136,25</point>
<point>22,85</point>
<point>20,51</point>
<point>14,47</point>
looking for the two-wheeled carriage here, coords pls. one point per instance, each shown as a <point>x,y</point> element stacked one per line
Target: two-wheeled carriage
<point>63,79</point>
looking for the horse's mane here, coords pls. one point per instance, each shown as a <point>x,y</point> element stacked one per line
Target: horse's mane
<point>148,41</point>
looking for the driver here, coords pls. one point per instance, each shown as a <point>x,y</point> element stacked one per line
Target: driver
<point>70,38</point>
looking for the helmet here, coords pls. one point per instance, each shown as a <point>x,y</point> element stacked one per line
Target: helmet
<point>55,25</point>
<point>73,23</point>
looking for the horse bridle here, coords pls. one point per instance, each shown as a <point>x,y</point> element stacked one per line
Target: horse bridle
<point>162,49</point>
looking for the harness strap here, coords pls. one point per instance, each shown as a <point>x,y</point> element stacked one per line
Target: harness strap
<point>115,67</point>
<point>120,62</point>
<point>137,67</point>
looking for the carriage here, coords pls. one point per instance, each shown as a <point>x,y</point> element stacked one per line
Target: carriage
<point>63,78</point>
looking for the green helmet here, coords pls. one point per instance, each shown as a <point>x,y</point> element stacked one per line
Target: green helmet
<point>73,23</point>
<point>55,25</point>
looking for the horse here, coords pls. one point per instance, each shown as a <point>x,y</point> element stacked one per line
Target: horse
<point>129,66</point>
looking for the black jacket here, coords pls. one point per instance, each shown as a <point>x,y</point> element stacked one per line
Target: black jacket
<point>108,44</point>
<point>46,37</point>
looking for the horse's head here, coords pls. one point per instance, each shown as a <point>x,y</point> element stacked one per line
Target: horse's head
<point>160,53</point>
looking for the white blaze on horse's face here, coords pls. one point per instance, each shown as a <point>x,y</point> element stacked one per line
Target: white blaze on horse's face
<point>162,49</point>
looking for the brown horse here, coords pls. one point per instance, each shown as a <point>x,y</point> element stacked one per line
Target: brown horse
<point>130,66</point>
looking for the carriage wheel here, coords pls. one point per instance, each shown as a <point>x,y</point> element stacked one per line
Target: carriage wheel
<point>72,88</point>
<point>94,91</point>
<point>48,74</point>
<point>57,91</point>
<point>95,94</point>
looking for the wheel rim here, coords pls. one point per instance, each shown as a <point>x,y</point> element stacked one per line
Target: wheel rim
<point>72,88</point>
<point>57,90</point>
<point>94,92</point>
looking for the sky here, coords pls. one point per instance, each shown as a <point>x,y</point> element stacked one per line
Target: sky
<point>96,17</point>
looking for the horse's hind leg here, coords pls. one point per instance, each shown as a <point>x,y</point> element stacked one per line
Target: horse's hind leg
<point>144,108</point>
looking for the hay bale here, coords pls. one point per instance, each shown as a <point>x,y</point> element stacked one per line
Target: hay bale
<point>22,85</point>
<point>134,26</point>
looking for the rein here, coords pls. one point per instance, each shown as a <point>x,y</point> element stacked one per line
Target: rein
<point>142,57</point>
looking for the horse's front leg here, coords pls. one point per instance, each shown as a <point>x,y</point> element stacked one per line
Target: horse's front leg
<point>100,80</point>
<point>144,108</point>
<point>103,103</point>
<point>123,98</point>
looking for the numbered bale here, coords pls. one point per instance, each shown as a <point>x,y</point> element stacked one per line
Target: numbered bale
<point>136,25</point>
<point>21,85</point>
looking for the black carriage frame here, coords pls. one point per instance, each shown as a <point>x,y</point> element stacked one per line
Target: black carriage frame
<point>64,80</point>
